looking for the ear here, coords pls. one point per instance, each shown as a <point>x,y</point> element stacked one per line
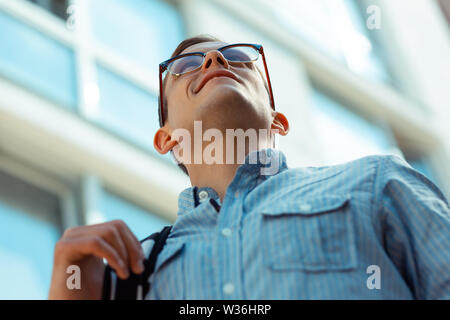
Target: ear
<point>280,123</point>
<point>162,141</point>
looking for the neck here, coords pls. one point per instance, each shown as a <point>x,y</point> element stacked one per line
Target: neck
<point>219,176</point>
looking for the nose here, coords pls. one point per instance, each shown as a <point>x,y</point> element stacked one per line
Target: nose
<point>214,58</point>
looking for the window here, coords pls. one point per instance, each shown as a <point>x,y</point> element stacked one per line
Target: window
<point>57,7</point>
<point>29,229</point>
<point>337,28</point>
<point>126,109</point>
<point>344,135</point>
<point>141,222</point>
<point>145,31</point>
<point>37,62</point>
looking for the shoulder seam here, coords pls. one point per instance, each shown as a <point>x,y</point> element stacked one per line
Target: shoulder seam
<point>376,192</point>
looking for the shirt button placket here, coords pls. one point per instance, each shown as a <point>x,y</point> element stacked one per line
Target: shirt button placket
<point>228,241</point>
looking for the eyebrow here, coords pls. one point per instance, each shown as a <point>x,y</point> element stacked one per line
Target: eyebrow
<point>193,52</point>
<point>226,44</point>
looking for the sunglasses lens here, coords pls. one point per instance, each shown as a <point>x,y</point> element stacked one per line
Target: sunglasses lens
<point>185,64</point>
<point>240,54</point>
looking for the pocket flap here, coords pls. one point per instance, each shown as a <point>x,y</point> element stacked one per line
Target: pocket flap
<point>310,206</point>
<point>169,251</point>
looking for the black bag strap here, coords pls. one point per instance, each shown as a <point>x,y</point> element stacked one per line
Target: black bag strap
<point>149,264</point>
<point>137,285</point>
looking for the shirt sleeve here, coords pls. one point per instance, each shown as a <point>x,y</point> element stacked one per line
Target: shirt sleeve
<point>416,227</point>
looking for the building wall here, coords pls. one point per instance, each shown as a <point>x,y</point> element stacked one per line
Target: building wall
<point>78,104</point>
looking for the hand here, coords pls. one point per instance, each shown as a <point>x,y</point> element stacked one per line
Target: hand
<point>86,246</point>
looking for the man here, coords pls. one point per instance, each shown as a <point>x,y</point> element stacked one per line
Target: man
<point>372,228</point>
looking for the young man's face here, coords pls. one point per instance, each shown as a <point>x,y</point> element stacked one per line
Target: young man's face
<point>222,100</point>
<point>239,100</point>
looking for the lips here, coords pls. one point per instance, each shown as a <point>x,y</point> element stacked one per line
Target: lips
<point>215,74</point>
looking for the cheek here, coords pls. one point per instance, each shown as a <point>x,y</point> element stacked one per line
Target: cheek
<point>175,98</point>
<point>180,103</point>
<point>180,113</point>
<point>260,92</point>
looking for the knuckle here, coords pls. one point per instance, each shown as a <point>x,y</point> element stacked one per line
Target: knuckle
<point>119,223</point>
<point>69,231</point>
<point>110,231</point>
<point>96,242</point>
<point>63,248</point>
<point>60,247</point>
<point>137,251</point>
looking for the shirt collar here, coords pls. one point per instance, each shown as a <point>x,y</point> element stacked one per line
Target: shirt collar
<point>258,165</point>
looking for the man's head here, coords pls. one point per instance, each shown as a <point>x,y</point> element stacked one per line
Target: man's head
<point>240,101</point>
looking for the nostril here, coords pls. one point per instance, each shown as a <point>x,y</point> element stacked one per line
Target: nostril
<point>208,63</point>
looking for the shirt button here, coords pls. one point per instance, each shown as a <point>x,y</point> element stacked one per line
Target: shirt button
<point>203,195</point>
<point>262,158</point>
<point>226,232</point>
<point>228,288</point>
<point>305,207</point>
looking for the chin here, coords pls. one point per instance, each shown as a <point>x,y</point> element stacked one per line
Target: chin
<point>228,107</point>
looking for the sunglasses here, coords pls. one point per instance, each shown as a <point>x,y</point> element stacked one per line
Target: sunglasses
<point>192,61</point>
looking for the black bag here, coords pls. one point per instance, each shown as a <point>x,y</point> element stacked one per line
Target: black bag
<point>136,286</point>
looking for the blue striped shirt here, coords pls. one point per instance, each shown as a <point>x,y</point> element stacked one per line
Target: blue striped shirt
<point>372,228</point>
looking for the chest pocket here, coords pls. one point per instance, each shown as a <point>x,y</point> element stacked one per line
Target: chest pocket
<point>311,234</point>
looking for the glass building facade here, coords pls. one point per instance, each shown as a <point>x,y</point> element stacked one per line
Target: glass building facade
<point>79,98</point>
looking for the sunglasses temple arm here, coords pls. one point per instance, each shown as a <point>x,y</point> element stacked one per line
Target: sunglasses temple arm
<point>268,79</point>
<point>161,100</point>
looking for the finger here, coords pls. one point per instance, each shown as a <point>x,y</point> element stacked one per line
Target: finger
<point>118,235</point>
<point>108,231</point>
<point>97,246</point>
<point>112,235</point>
<point>138,243</point>
<point>75,232</point>
<point>135,252</point>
